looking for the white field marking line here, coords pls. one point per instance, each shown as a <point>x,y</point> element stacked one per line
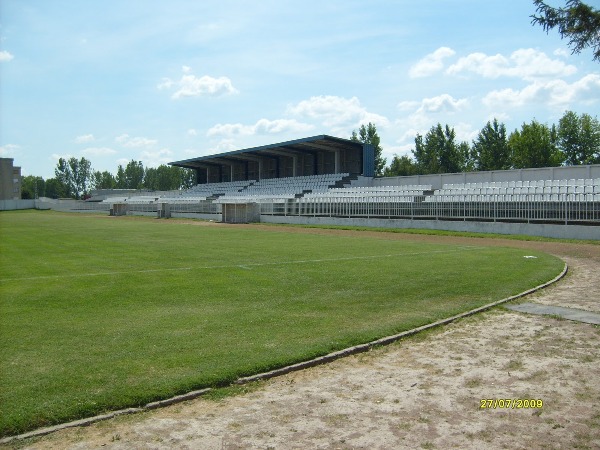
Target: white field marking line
<point>247,266</point>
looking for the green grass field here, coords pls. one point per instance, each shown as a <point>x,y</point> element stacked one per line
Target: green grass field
<point>101,313</point>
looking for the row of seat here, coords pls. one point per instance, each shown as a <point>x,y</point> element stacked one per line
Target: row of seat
<point>367,189</point>
<point>531,183</point>
<point>572,189</point>
<point>329,177</point>
<point>521,198</point>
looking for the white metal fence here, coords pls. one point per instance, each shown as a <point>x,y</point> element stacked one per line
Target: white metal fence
<point>566,208</point>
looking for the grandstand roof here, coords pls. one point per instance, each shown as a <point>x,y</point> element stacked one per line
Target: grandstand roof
<point>314,155</point>
<point>310,145</point>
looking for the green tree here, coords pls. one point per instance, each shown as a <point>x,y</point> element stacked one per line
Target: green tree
<point>132,176</point>
<point>579,138</point>
<point>187,177</point>
<point>168,177</point>
<point>75,175</point>
<point>368,135</point>
<point>151,178</point>
<point>577,22</point>
<point>103,180</point>
<point>534,146</point>
<point>55,188</point>
<point>400,166</point>
<point>32,187</point>
<point>81,172</point>
<point>120,178</point>
<point>438,152</point>
<point>64,177</point>
<point>466,157</point>
<point>490,150</point>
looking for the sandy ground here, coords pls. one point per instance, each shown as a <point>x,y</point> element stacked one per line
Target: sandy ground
<point>422,392</point>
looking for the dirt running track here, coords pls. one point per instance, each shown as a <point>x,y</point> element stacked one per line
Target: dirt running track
<point>421,392</point>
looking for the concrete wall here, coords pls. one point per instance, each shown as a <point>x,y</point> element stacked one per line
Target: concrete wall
<point>546,173</point>
<point>11,205</point>
<point>544,230</point>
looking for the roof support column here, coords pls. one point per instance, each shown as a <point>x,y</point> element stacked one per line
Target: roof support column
<point>295,166</point>
<point>337,162</point>
<point>260,168</point>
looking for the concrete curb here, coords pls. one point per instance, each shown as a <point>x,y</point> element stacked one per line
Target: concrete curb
<point>281,371</point>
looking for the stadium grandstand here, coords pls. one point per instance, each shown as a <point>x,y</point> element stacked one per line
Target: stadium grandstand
<point>329,180</point>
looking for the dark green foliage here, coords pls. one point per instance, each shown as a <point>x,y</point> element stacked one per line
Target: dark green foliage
<point>133,175</point>
<point>400,166</point>
<point>534,146</point>
<point>490,150</point>
<point>166,178</point>
<point>577,22</point>
<point>55,189</point>
<point>439,152</point>
<point>104,180</point>
<point>75,175</point>
<point>368,135</point>
<point>579,138</point>
<point>32,187</point>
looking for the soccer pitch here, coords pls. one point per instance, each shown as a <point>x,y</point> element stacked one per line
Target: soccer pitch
<point>101,313</point>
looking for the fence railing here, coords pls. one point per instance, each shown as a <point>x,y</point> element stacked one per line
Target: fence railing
<point>526,208</point>
<point>566,209</point>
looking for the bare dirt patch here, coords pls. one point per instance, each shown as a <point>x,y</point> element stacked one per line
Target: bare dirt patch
<point>421,392</point>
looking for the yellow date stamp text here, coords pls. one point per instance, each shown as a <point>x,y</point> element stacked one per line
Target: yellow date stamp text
<point>511,403</point>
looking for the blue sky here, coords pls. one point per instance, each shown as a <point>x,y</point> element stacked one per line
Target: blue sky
<point>161,81</point>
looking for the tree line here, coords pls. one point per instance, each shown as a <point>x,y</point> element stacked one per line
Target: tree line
<point>574,141</point>
<point>75,178</point>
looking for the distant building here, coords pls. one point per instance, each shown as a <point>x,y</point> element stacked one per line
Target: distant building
<point>10,180</point>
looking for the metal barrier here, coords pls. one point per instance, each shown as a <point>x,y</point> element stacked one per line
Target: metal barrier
<point>568,209</point>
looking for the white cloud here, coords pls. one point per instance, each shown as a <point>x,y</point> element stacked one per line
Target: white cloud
<point>6,56</point>
<point>84,139</point>
<point>464,132</point>
<point>263,126</point>
<point>166,83</point>
<point>562,52</point>
<point>8,150</point>
<point>528,64</point>
<point>191,86</point>
<point>224,145</point>
<point>553,93</point>
<point>134,142</point>
<point>500,116</point>
<point>442,103</point>
<point>98,151</point>
<point>425,113</point>
<point>432,63</point>
<point>192,132</point>
<point>338,113</point>
<point>230,129</point>
<point>156,158</point>
<point>408,105</point>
